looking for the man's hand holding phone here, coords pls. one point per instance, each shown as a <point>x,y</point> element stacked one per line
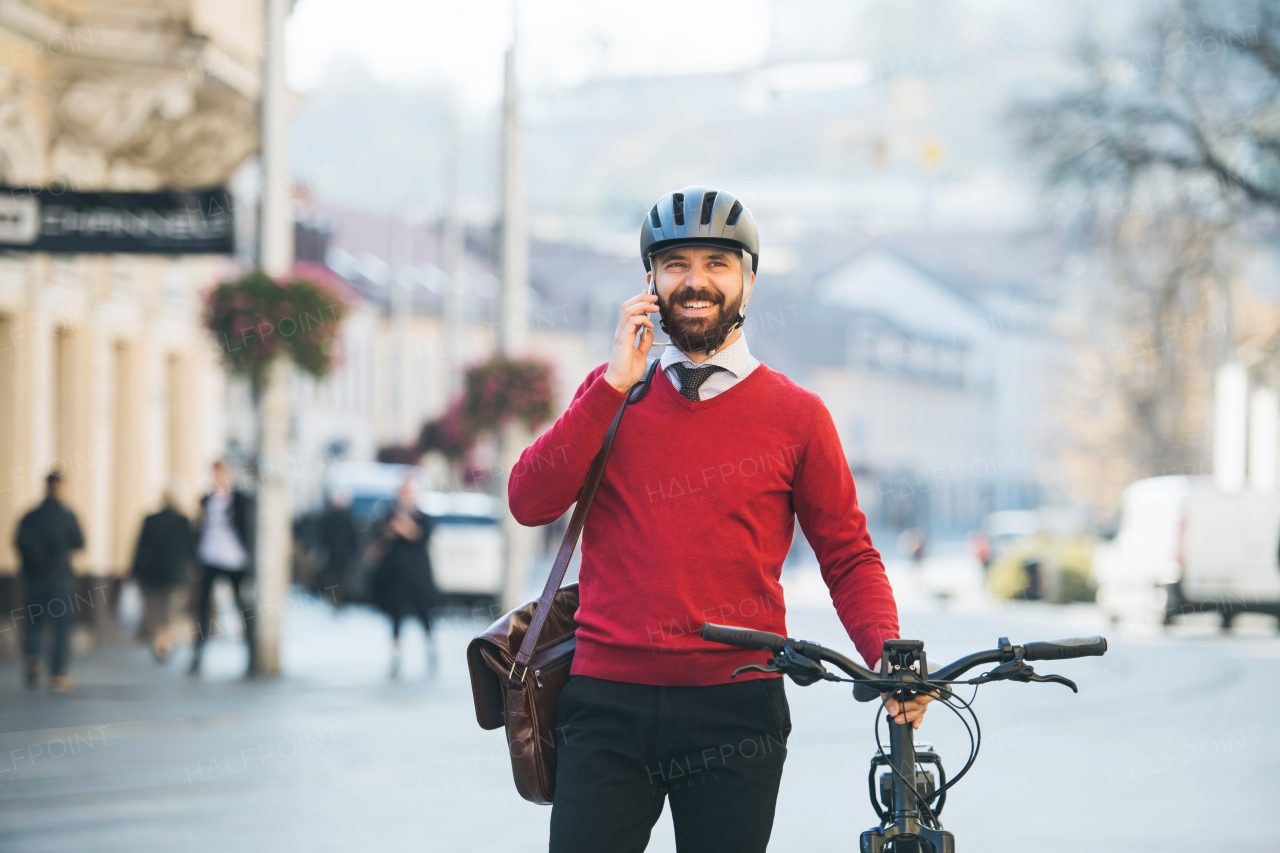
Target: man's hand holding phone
<point>627,362</point>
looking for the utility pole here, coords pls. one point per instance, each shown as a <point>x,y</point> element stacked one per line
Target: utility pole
<point>273,536</point>
<point>402,410</point>
<point>515,232</point>
<point>514,334</point>
<point>453,256</point>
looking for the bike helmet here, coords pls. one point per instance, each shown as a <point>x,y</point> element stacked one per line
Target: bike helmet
<point>698,216</point>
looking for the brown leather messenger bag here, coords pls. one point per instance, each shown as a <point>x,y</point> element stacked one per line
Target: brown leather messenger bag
<point>520,663</point>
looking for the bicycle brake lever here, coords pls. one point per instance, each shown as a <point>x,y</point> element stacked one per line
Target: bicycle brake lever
<point>753,667</point>
<point>1053,679</point>
<point>1017,670</point>
<point>797,667</point>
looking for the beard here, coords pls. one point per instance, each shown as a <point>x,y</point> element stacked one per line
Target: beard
<point>694,334</point>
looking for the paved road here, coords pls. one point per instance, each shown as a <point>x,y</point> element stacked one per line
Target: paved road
<point>1170,736</point>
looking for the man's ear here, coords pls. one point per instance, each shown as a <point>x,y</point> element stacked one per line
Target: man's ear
<point>751,288</point>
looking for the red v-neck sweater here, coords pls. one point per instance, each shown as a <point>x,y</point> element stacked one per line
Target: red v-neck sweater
<point>693,520</point>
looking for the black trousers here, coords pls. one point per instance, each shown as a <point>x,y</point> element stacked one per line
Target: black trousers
<point>49,600</point>
<point>204,606</point>
<point>409,592</point>
<point>715,752</point>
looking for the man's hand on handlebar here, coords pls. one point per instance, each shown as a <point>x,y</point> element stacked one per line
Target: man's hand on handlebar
<point>911,711</point>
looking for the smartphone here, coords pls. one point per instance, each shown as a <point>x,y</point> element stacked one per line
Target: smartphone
<point>640,333</point>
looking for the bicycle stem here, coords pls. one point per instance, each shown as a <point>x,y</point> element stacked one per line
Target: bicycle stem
<point>902,754</point>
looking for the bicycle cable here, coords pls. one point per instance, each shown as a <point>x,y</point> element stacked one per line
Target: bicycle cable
<point>911,784</point>
<point>975,744</point>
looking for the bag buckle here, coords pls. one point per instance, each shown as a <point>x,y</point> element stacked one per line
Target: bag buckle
<point>511,676</point>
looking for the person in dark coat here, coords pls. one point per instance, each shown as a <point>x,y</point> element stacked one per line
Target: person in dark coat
<point>161,564</point>
<point>224,551</point>
<point>340,544</point>
<point>402,583</point>
<point>45,539</point>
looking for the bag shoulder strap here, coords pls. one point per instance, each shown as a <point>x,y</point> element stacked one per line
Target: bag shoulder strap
<point>570,541</point>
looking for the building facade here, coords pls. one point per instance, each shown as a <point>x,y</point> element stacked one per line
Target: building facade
<point>105,371</point>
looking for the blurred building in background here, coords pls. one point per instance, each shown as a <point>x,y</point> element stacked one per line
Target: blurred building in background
<point>936,353</point>
<point>383,389</point>
<point>105,370</point>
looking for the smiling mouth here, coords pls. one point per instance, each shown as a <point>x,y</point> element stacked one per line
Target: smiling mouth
<point>696,305</point>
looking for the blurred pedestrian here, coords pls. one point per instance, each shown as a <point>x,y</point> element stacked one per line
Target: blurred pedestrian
<point>162,564</point>
<point>403,583</point>
<point>45,539</point>
<point>340,544</point>
<point>225,551</point>
<point>912,543</point>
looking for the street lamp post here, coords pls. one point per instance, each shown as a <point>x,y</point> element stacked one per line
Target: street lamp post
<point>273,539</point>
<point>514,333</point>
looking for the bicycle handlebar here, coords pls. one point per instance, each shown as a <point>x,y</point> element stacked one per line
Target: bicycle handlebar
<point>1076,647</point>
<point>745,638</point>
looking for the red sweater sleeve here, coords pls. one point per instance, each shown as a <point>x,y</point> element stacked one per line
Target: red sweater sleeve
<point>826,505</point>
<point>551,471</point>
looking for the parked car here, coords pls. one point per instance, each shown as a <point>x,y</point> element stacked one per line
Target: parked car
<point>999,530</point>
<point>466,541</point>
<point>1184,547</point>
<point>1042,554</point>
<point>466,545</point>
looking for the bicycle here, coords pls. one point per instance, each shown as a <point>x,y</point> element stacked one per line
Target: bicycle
<point>908,821</point>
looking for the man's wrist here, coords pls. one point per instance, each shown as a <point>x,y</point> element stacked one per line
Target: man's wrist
<point>615,383</point>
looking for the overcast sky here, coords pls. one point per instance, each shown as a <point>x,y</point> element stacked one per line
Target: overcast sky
<point>561,41</point>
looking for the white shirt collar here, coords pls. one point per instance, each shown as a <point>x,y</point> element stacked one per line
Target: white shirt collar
<point>735,358</point>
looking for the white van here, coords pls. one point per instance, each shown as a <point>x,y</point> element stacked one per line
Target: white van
<point>466,544</point>
<point>1185,547</point>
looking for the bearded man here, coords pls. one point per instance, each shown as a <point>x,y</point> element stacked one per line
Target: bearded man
<point>691,524</point>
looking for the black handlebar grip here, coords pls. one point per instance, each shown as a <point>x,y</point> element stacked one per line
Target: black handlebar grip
<point>1076,647</point>
<point>744,638</point>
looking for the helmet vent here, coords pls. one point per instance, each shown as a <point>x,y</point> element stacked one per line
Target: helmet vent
<point>653,218</point>
<point>677,207</point>
<point>734,213</point>
<point>708,202</point>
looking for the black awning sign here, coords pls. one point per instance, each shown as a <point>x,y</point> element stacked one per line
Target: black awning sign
<point>179,222</point>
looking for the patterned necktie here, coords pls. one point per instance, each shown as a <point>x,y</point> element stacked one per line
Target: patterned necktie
<point>691,379</point>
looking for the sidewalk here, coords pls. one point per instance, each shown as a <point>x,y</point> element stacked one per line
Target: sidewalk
<point>141,757</point>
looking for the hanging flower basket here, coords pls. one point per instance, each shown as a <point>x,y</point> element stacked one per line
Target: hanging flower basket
<point>253,319</point>
<point>497,392</point>
<point>450,433</point>
<point>502,390</point>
